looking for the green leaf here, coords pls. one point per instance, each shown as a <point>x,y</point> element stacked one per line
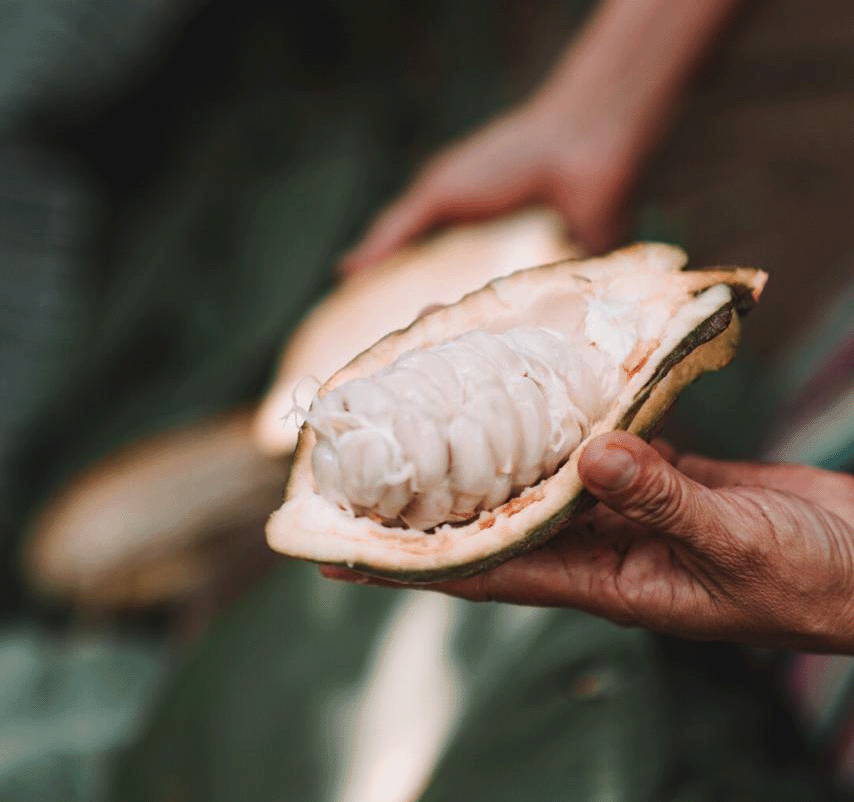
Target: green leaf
<point>66,706</point>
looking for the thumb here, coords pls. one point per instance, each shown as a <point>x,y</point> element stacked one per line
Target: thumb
<point>634,480</point>
<point>829,489</point>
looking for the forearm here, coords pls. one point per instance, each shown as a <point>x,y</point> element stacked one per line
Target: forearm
<point>633,59</point>
<point>579,142</point>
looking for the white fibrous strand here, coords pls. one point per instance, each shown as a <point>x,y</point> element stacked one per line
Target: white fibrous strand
<point>446,432</point>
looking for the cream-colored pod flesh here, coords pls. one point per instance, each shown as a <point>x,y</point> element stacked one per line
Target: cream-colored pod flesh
<point>481,463</point>
<point>389,296</point>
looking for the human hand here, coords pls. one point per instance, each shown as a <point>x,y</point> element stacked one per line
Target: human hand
<point>578,144</point>
<point>757,554</point>
<point>533,154</point>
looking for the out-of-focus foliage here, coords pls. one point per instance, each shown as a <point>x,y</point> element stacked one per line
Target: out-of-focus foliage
<point>58,57</point>
<point>137,307</point>
<point>256,711</point>
<point>555,705</point>
<point>47,211</point>
<point>213,270</point>
<point>58,62</point>
<point>66,705</point>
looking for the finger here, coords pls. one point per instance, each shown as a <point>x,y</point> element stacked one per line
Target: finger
<point>569,571</point>
<point>829,489</point>
<point>521,581</point>
<point>559,575</point>
<point>631,478</point>
<point>536,579</point>
<point>413,214</point>
<point>665,449</point>
<point>355,577</point>
<point>721,473</point>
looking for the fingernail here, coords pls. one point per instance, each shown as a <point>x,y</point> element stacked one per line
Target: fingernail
<point>614,469</point>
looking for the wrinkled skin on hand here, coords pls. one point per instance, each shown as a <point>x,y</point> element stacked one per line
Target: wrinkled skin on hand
<point>750,553</point>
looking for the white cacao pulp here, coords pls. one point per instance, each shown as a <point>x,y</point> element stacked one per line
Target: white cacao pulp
<point>446,432</point>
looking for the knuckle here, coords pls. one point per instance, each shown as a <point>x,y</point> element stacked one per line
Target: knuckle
<point>616,600</point>
<point>629,599</point>
<point>659,498</point>
<point>762,536</point>
<point>740,548</point>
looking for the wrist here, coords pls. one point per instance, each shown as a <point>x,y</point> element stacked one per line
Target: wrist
<point>621,78</point>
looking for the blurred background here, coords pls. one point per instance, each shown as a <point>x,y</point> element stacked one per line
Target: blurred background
<point>178,181</point>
